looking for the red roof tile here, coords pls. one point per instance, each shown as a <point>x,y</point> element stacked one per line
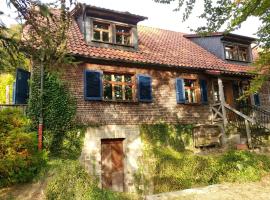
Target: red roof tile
<point>156,46</point>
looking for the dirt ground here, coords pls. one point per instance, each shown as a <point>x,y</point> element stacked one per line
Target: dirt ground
<point>30,191</point>
<point>229,191</point>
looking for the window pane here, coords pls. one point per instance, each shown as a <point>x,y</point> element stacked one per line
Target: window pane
<point>119,39</point>
<point>192,96</point>
<point>128,79</point>
<point>96,35</point>
<point>118,92</point>
<point>105,36</point>
<point>108,91</point>
<point>127,40</point>
<point>186,95</point>
<point>107,77</point>
<point>189,83</point>
<point>128,92</point>
<point>99,25</point>
<point>118,78</point>
<point>122,29</point>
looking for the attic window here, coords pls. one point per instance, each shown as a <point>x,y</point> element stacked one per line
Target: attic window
<point>101,31</point>
<point>123,35</point>
<point>236,52</point>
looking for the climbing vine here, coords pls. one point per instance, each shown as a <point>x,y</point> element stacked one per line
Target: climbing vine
<point>59,107</point>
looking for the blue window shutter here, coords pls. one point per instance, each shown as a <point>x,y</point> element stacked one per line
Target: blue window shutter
<point>203,85</point>
<point>21,87</point>
<point>93,87</point>
<point>257,101</point>
<point>144,88</point>
<point>180,90</point>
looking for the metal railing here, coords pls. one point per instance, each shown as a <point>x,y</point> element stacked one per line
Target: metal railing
<point>261,117</point>
<point>21,107</point>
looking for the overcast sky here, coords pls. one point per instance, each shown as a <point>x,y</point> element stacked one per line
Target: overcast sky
<point>159,15</point>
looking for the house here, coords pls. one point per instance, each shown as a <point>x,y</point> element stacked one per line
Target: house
<point>131,75</point>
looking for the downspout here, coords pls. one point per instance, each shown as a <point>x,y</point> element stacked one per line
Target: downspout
<point>40,125</point>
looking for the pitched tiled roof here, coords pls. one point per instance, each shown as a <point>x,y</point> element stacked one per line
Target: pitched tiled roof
<point>156,46</point>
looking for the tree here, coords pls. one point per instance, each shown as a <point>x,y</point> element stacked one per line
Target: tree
<point>46,30</point>
<point>231,14</point>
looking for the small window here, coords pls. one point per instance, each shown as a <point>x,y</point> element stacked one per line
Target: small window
<point>243,54</point>
<point>101,31</point>
<point>190,91</point>
<point>118,87</point>
<point>231,53</point>
<point>236,52</point>
<point>123,35</point>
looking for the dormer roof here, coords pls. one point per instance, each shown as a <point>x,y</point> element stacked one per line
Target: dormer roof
<point>108,14</point>
<point>225,36</point>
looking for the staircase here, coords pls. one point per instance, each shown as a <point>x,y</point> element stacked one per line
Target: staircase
<point>251,122</point>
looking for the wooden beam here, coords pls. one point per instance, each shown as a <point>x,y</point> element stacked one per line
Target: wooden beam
<point>248,133</point>
<point>222,101</point>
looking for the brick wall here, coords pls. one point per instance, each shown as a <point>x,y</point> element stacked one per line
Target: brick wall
<point>163,108</point>
<point>265,96</point>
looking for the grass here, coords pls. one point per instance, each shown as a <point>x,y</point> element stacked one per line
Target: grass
<point>165,168</point>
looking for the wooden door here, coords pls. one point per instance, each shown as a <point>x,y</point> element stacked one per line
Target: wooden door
<point>112,166</point>
<point>228,93</point>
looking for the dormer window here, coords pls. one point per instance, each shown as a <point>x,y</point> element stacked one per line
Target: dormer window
<point>237,52</point>
<point>101,31</point>
<point>123,35</point>
<point>112,33</point>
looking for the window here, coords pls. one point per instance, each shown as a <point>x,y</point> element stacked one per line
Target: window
<point>236,52</point>
<point>190,91</point>
<point>123,35</point>
<point>113,33</point>
<point>118,87</point>
<point>101,31</point>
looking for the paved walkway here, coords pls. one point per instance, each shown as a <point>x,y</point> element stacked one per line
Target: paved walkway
<point>247,191</point>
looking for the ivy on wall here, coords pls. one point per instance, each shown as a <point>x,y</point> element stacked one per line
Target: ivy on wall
<point>59,107</point>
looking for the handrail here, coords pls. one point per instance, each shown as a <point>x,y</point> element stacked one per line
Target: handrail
<point>260,116</point>
<point>240,114</point>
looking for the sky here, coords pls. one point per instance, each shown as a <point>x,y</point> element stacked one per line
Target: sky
<point>159,15</point>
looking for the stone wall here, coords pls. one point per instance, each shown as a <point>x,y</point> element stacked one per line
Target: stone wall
<point>91,152</point>
<point>163,108</point>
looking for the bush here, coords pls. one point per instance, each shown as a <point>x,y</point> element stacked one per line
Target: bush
<point>170,168</point>
<point>71,182</point>
<point>70,146</point>
<point>20,160</point>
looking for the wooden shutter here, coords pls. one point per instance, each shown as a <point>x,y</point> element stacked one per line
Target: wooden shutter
<point>257,101</point>
<point>204,96</point>
<point>21,87</point>
<point>144,88</point>
<point>180,90</point>
<point>93,85</point>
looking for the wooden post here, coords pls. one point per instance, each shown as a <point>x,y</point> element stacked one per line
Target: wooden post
<point>222,101</point>
<point>7,94</point>
<point>248,133</point>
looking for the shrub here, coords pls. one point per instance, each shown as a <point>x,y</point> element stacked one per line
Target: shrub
<point>71,182</point>
<point>20,160</point>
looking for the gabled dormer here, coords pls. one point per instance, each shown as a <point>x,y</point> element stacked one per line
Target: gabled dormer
<point>230,47</point>
<point>108,28</point>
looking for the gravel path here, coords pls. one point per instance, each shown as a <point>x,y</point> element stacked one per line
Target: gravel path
<point>229,191</point>
<point>247,191</point>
